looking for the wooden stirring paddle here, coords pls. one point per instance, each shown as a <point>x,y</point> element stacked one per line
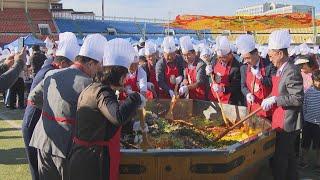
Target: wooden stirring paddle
<point>226,121</point>
<point>145,142</point>
<point>221,135</point>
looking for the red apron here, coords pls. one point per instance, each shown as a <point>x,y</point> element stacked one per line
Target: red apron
<point>199,92</point>
<point>221,75</point>
<point>114,152</point>
<point>259,91</point>
<point>278,113</point>
<point>132,82</point>
<point>153,80</point>
<point>170,72</point>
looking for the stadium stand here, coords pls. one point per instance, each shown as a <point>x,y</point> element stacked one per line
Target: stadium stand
<point>13,20</point>
<point>6,39</point>
<point>42,16</point>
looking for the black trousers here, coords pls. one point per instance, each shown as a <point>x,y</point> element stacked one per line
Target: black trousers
<point>284,164</point>
<point>17,90</point>
<point>52,167</point>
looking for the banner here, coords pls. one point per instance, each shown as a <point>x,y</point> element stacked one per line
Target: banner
<point>243,23</point>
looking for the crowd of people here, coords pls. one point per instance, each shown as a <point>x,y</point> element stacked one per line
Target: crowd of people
<point>80,97</point>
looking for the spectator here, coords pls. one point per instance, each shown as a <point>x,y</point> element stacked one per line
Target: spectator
<point>37,59</point>
<point>8,78</point>
<point>311,127</point>
<point>17,90</point>
<point>308,64</point>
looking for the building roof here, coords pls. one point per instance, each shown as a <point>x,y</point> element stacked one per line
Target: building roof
<point>82,12</point>
<point>62,10</point>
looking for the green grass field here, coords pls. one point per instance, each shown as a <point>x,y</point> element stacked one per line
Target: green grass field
<point>13,163</point>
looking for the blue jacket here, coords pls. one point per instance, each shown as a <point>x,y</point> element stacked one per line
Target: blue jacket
<point>32,114</point>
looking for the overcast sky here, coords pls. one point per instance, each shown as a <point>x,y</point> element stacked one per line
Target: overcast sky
<point>166,8</point>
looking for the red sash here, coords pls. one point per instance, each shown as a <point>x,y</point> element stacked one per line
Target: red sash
<point>259,91</point>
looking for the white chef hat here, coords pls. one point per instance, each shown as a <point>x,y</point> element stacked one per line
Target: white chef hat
<point>279,39</point>
<point>93,47</point>
<point>201,46</point>
<point>304,49</point>
<point>257,45</point>
<point>119,52</point>
<point>150,48</point>
<point>264,52</point>
<point>141,41</point>
<point>68,46</point>
<point>204,52</point>
<point>141,52</point>
<point>52,52</point>
<point>233,48</point>
<point>196,47</point>
<point>222,46</point>
<point>5,53</point>
<point>168,44</point>
<point>49,43</point>
<point>245,43</point>
<point>186,44</point>
<point>291,51</point>
<point>316,50</point>
<point>294,50</point>
<point>301,60</point>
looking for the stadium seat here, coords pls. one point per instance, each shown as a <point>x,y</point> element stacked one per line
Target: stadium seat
<point>13,20</point>
<point>42,16</point>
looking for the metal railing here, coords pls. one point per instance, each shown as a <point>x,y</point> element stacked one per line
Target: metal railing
<point>113,18</point>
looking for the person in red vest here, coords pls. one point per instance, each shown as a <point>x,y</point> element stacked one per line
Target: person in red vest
<point>135,81</point>
<point>150,68</point>
<point>96,148</point>
<point>195,83</point>
<point>285,101</point>
<point>226,75</point>
<point>255,74</point>
<point>169,70</point>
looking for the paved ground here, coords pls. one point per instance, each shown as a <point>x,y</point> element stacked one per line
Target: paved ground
<point>13,164</point>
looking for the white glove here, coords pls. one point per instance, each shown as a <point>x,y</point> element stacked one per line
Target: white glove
<point>136,127</point>
<point>209,70</point>
<point>250,98</point>
<point>183,90</point>
<point>256,72</point>
<point>117,93</point>
<point>267,103</point>
<point>171,93</point>
<point>217,88</point>
<point>184,83</point>
<point>143,101</point>
<point>137,139</point>
<point>178,79</point>
<point>150,85</point>
<point>128,90</point>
